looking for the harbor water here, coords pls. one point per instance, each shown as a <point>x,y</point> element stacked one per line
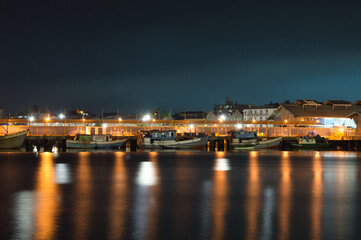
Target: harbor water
<point>180,195</point>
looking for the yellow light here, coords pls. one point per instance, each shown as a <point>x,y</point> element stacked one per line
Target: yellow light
<point>47,119</point>
<point>83,119</point>
<point>253,120</point>
<point>153,120</point>
<point>120,119</point>
<point>286,120</point>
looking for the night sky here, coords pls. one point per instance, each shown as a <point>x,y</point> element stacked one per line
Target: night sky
<point>184,55</point>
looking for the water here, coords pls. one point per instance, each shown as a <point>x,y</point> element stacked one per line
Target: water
<point>180,195</point>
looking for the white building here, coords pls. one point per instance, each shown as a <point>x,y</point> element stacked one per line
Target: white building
<point>258,113</point>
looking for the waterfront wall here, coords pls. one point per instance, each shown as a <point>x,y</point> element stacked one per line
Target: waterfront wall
<point>219,130</point>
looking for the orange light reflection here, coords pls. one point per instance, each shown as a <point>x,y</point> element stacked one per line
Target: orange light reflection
<point>253,197</point>
<point>285,197</point>
<point>47,205</point>
<point>316,201</point>
<point>83,197</point>
<point>119,199</point>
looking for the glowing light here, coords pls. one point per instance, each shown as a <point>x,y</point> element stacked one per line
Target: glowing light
<point>191,126</point>
<point>83,119</point>
<point>254,120</point>
<point>153,120</point>
<point>31,118</point>
<point>61,116</point>
<point>222,118</point>
<point>286,121</point>
<point>120,119</point>
<point>317,121</point>
<point>104,125</point>
<point>146,118</point>
<point>47,119</point>
<point>238,126</point>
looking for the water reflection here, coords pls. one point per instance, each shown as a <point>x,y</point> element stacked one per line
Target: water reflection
<point>146,206</point>
<point>267,213</point>
<point>253,197</point>
<point>316,197</point>
<point>346,186</point>
<point>220,196</point>
<point>285,197</point>
<point>83,197</point>
<point>62,171</point>
<point>23,215</point>
<point>119,204</point>
<point>47,204</point>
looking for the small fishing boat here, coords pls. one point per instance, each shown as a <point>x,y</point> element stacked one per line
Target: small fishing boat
<point>14,140</point>
<point>169,140</point>
<point>248,140</point>
<point>83,141</point>
<point>310,143</point>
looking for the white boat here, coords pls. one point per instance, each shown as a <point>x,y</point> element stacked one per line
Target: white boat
<point>14,140</point>
<point>269,144</point>
<point>82,141</point>
<point>168,140</point>
<point>249,140</point>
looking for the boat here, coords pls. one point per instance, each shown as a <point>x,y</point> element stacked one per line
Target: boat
<point>310,143</point>
<point>14,140</point>
<point>83,141</point>
<point>169,140</point>
<point>244,140</point>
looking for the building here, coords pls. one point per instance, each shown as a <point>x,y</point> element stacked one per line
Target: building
<point>229,108</point>
<point>259,113</point>
<point>190,115</point>
<point>331,113</point>
<point>211,116</point>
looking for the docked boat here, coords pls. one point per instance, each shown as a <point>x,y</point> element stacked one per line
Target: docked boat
<point>83,141</point>
<point>310,143</point>
<point>169,140</point>
<point>14,140</point>
<point>243,140</point>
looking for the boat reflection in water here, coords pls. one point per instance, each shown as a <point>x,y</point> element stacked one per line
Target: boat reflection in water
<point>180,195</point>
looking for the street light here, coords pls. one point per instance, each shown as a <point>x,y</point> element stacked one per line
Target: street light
<point>146,118</point>
<point>222,118</point>
<point>61,116</point>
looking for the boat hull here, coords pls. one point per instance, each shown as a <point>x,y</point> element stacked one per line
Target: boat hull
<point>73,144</point>
<point>15,140</point>
<point>267,144</point>
<point>196,143</point>
<point>311,146</point>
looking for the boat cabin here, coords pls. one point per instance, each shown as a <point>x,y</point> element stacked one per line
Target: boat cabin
<point>245,135</point>
<point>161,135</point>
<point>93,138</point>
<point>307,141</point>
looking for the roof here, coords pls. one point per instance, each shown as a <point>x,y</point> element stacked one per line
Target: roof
<point>337,102</point>
<point>352,115</point>
<point>307,102</point>
<point>321,110</point>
